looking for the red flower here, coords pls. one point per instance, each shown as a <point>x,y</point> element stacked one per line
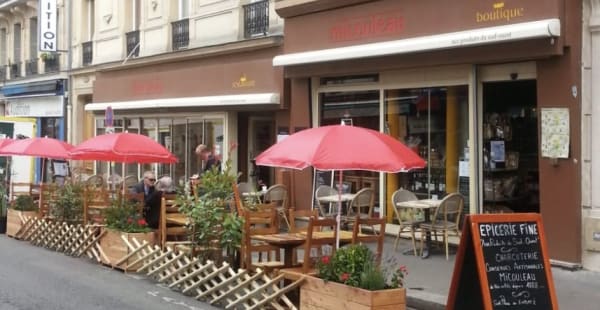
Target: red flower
<point>142,222</point>
<point>129,220</point>
<point>344,277</point>
<point>325,260</point>
<point>403,269</point>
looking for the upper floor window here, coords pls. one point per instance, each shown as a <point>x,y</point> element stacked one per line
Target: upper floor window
<point>90,12</point>
<point>33,37</point>
<point>17,43</point>
<point>184,9</point>
<point>256,18</point>
<point>3,55</point>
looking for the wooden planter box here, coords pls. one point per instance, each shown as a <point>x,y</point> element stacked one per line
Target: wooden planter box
<point>318,294</point>
<point>115,249</point>
<point>16,219</point>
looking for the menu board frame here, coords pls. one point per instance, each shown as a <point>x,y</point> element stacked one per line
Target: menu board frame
<point>471,253</point>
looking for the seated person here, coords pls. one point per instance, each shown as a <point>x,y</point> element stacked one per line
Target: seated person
<point>147,188</point>
<point>164,185</point>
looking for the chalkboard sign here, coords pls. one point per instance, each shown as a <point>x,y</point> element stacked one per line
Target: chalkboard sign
<point>506,256</point>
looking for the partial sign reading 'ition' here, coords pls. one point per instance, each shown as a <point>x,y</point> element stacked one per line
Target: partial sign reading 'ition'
<point>47,33</point>
<point>502,263</point>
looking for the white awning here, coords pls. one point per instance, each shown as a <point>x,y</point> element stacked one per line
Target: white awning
<point>209,101</point>
<point>547,28</point>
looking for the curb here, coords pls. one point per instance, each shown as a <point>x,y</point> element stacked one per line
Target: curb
<point>422,300</point>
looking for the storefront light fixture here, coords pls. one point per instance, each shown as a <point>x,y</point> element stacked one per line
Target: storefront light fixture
<point>548,28</point>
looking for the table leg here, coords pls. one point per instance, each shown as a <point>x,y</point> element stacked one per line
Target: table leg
<point>288,257</point>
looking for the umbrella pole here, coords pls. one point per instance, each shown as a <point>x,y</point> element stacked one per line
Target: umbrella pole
<point>41,184</point>
<point>314,185</point>
<point>339,211</point>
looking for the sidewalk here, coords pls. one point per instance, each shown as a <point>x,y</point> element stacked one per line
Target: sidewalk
<point>428,281</point>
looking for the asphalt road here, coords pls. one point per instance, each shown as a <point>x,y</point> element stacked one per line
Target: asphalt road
<point>35,278</point>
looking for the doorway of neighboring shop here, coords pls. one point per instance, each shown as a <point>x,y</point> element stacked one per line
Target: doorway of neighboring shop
<point>510,147</point>
<point>261,136</point>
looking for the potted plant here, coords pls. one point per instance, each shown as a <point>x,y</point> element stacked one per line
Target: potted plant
<point>123,218</point>
<point>48,56</point>
<point>217,230</point>
<point>20,209</point>
<point>352,279</point>
<point>68,205</point>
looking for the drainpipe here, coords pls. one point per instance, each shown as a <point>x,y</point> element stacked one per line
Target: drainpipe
<point>70,99</point>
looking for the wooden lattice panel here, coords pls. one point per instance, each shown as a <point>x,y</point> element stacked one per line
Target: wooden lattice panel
<point>206,281</point>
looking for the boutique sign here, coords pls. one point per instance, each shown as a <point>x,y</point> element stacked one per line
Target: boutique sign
<point>499,12</point>
<point>47,34</point>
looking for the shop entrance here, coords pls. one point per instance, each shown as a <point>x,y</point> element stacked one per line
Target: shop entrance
<point>510,147</point>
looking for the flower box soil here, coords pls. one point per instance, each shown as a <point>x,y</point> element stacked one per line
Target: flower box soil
<point>16,219</point>
<point>114,248</point>
<point>318,294</point>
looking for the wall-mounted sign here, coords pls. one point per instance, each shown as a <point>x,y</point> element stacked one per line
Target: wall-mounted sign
<point>47,34</point>
<point>369,26</point>
<point>555,132</point>
<point>45,106</point>
<point>243,82</point>
<point>499,12</point>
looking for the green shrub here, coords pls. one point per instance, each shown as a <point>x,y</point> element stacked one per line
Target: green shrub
<point>123,215</point>
<point>24,203</point>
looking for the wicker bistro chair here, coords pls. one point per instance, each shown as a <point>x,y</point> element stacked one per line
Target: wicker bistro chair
<point>96,181</point>
<point>446,219</point>
<point>278,193</point>
<point>406,217</point>
<point>361,205</point>
<point>322,191</point>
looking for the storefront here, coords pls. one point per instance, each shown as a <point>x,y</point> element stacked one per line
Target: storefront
<point>38,109</point>
<point>198,101</point>
<point>464,85</point>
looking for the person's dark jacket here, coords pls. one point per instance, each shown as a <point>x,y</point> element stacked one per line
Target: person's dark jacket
<point>152,214</point>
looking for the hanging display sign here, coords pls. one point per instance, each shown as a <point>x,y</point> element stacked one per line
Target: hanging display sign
<point>47,33</point>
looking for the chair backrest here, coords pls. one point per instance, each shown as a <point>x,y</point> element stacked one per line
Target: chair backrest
<point>358,238</point>
<point>138,198</point>
<point>245,187</point>
<point>96,199</point>
<point>168,204</point>
<point>303,216</point>
<point>277,193</point>
<point>401,195</point>
<point>48,197</point>
<point>95,180</point>
<point>130,180</point>
<point>313,240</point>
<point>364,199</point>
<point>450,209</point>
<point>322,191</point>
<point>237,199</point>
<point>257,223</point>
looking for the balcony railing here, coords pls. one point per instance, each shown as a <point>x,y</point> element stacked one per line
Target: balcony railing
<point>133,41</point>
<point>15,70</point>
<point>87,53</point>
<point>3,72</point>
<point>256,19</point>
<point>181,34</point>
<point>31,67</point>
<point>52,63</point>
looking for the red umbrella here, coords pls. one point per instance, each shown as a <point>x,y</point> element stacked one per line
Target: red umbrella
<point>4,142</point>
<point>123,147</point>
<point>340,147</point>
<point>39,147</point>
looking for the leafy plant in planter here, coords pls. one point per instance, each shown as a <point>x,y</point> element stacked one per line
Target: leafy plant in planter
<point>68,206</point>
<point>123,215</point>
<point>24,203</point>
<point>355,266</point>
<point>214,226</point>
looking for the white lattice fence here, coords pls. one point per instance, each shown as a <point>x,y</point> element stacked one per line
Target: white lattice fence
<point>206,281</point>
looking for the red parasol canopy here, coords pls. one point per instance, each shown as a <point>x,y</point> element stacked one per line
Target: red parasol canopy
<point>123,147</point>
<point>341,147</point>
<point>39,147</point>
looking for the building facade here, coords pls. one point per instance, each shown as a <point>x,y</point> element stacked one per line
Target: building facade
<point>473,87</point>
<point>590,106</point>
<point>183,73</point>
<point>33,83</point>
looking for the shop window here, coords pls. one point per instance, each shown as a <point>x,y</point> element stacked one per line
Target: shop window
<point>434,123</point>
